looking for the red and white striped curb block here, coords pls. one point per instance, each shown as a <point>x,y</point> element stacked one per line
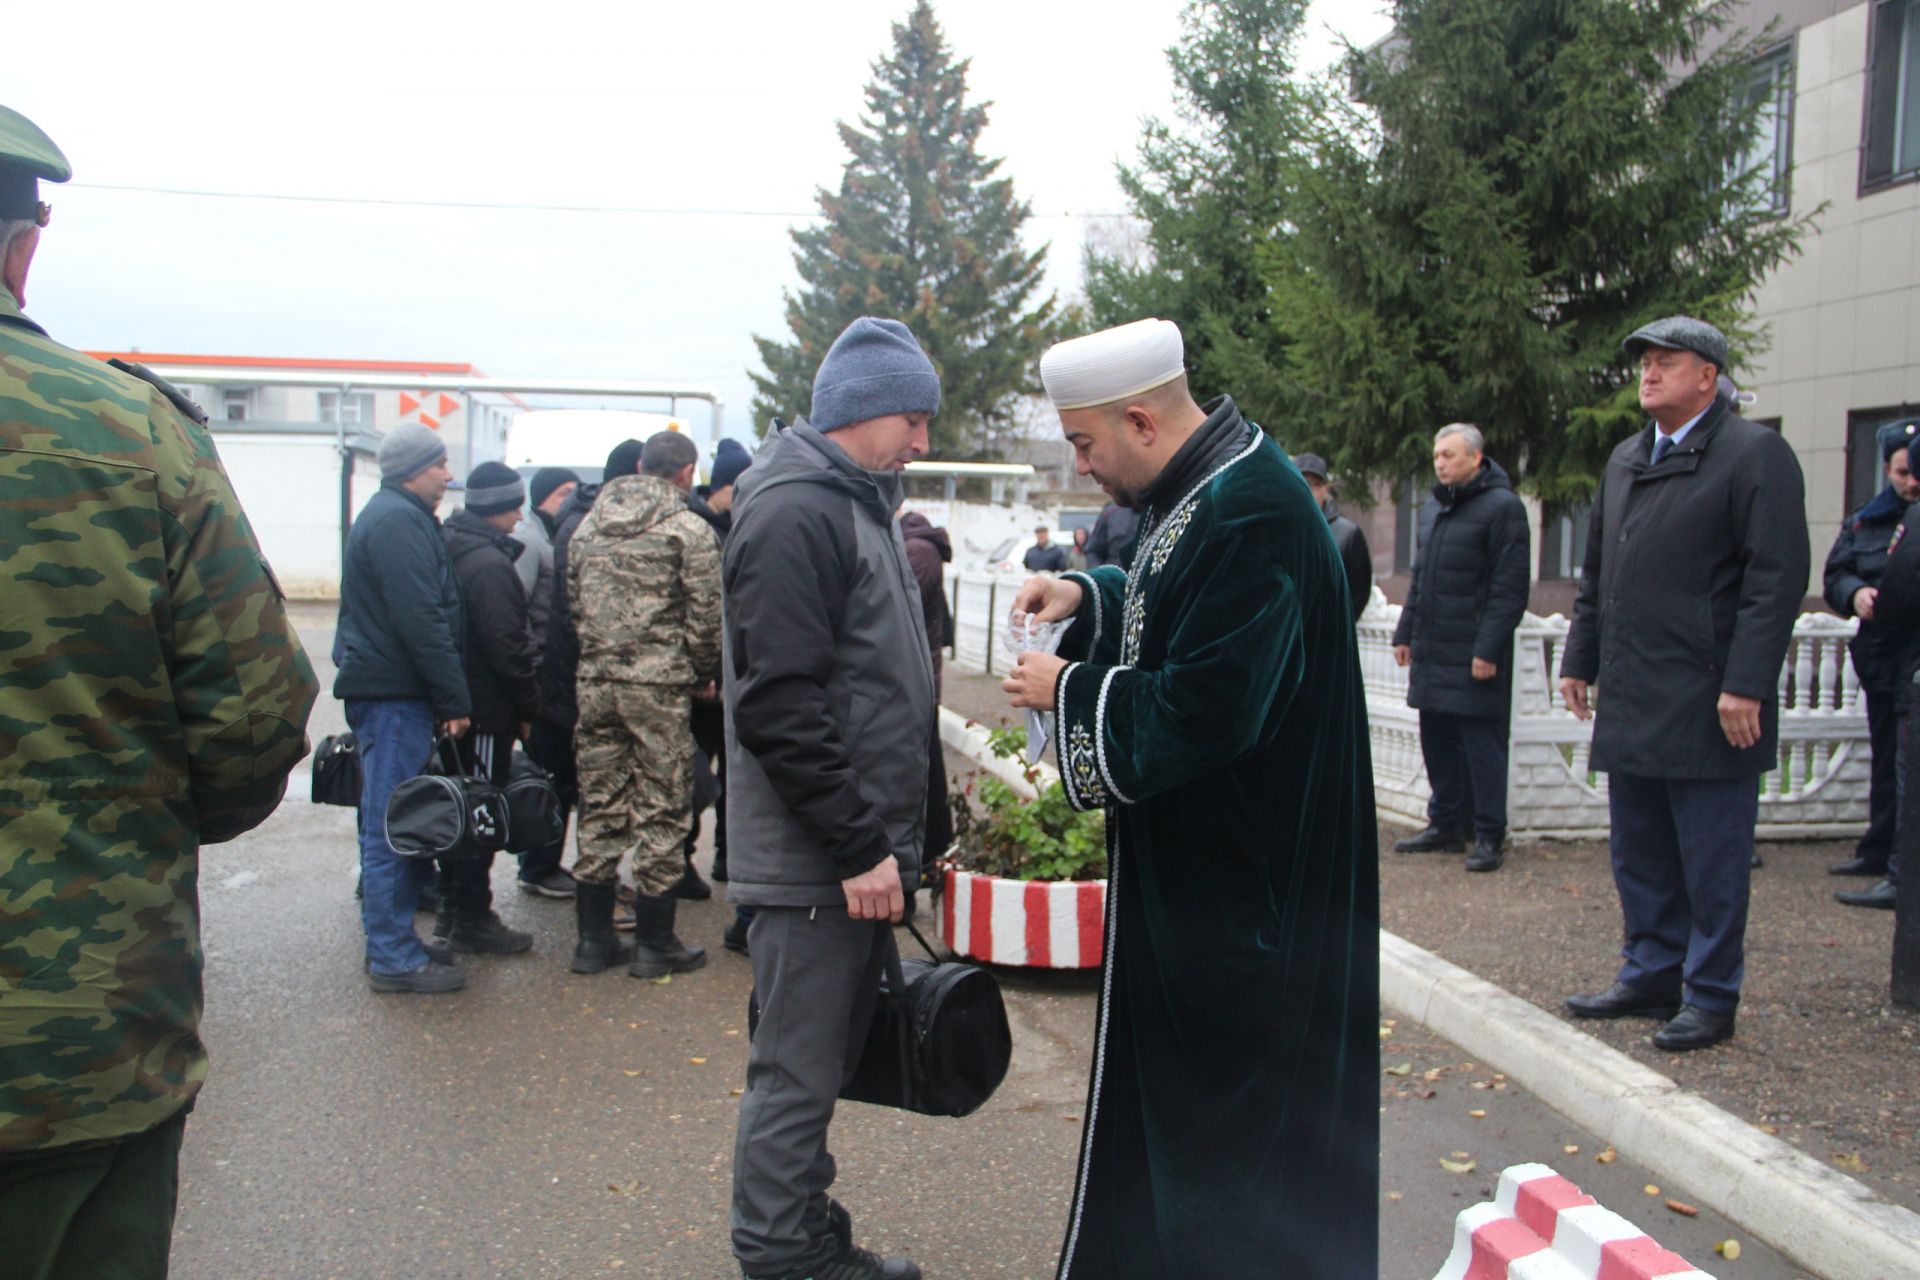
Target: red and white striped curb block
<point>1542,1227</point>
<point>1044,924</point>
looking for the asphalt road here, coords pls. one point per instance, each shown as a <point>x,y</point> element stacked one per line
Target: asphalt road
<point>541,1123</point>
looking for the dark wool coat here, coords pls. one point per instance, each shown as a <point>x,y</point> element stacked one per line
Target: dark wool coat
<point>1214,707</point>
<point>1897,610</point>
<point>1859,559</point>
<point>401,619</point>
<point>1694,574</point>
<point>500,662</point>
<point>1356,557</point>
<point>1467,594</point>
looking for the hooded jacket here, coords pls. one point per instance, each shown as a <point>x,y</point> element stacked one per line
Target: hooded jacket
<point>643,588</point>
<point>1468,593</point>
<point>502,679</point>
<point>928,548</point>
<point>829,682</point>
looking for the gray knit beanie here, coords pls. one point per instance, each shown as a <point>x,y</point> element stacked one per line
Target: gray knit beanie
<point>874,369</point>
<point>495,487</point>
<point>408,450</point>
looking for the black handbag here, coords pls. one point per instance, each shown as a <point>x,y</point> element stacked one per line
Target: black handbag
<point>451,814</point>
<point>939,1043</point>
<point>535,818</point>
<point>336,771</point>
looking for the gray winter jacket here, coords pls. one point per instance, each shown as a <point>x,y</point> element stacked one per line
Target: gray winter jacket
<point>535,567</point>
<point>829,686</point>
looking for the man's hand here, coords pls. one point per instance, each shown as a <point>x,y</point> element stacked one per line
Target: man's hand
<point>1574,694</point>
<point>1033,680</point>
<point>456,728</point>
<point>875,893</point>
<point>1863,603</point>
<point>1484,670</point>
<point>1403,654</point>
<point>707,692</point>
<point>1740,719</point>
<point>1050,598</point>
<point>526,730</point>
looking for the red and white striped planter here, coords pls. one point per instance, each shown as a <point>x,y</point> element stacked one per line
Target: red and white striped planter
<point>1045,924</point>
<point>1539,1226</point>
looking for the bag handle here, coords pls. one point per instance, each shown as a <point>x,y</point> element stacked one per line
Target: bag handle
<point>442,752</point>
<point>924,944</point>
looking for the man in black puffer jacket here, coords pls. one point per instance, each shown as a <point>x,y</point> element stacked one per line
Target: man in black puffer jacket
<point>1468,593</point>
<point>1852,588</point>
<point>501,684</point>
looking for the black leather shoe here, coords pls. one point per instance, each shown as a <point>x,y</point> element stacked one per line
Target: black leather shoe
<point>1885,896</point>
<point>1487,855</point>
<point>1623,1001</point>
<point>1432,840</point>
<point>1693,1028</point>
<point>1858,867</point>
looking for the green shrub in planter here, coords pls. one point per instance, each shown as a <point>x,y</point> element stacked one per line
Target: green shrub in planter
<point>997,833</point>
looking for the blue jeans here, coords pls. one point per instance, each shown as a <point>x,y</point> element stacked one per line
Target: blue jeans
<point>1683,863</point>
<point>395,736</point>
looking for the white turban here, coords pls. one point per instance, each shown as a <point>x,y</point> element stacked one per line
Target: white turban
<point>1113,364</point>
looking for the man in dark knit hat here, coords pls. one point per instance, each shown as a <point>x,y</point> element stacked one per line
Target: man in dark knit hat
<point>397,647</point>
<point>502,682</point>
<point>829,701</point>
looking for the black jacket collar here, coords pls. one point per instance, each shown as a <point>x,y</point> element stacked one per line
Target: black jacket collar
<point>1222,435</point>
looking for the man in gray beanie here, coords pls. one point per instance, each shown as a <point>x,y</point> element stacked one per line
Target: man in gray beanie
<point>829,707</point>
<point>397,647</point>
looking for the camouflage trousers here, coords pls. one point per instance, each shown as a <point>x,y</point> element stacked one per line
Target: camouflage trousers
<point>634,751</point>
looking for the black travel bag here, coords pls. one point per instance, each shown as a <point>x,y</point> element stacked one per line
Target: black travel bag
<point>939,1043</point>
<point>451,814</point>
<point>336,771</point>
<point>534,816</point>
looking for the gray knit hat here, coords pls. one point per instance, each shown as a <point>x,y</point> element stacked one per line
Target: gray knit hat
<point>408,450</point>
<point>874,369</point>
<point>495,487</point>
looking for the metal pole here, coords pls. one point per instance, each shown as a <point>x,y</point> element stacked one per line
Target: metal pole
<point>346,479</point>
<point>953,649</point>
<point>993,611</point>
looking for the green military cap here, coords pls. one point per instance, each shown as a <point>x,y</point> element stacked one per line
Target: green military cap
<point>1896,436</point>
<point>27,155</point>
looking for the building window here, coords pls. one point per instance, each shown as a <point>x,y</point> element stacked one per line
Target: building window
<point>1866,474</point>
<point>237,404</point>
<point>354,408</point>
<point>1563,540</point>
<point>1892,152</point>
<point>1771,153</point>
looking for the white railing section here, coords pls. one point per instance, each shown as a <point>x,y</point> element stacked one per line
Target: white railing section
<point>1819,787</point>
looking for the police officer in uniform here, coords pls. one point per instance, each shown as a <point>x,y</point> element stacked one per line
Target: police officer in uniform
<point>1852,589</point>
<point>152,699</point>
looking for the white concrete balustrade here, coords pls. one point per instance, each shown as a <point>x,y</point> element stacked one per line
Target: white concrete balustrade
<point>1818,789</point>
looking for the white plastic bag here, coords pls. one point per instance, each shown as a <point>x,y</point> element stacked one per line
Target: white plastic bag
<point>1027,634</point>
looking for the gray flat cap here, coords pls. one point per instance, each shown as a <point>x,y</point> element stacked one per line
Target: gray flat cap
<point>1680,333</point>
<point>1311,464</point>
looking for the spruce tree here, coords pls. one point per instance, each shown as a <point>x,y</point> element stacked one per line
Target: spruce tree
<point>1537,179</point>
<point>1215,189</point>
<point>923,232</point>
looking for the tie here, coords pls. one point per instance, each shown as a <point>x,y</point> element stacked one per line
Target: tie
<point>1660,447</point>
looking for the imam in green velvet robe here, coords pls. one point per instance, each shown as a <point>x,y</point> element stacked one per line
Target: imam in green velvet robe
<point>1214,708</point>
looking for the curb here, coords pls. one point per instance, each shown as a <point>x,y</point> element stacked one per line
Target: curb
<point>1817,1216</point>
<point>1540,1225</point>
<point>969,738</point>
<point>1042,924</point>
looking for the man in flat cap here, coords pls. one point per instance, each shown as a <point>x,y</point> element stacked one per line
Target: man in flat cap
<point>1851,583</point>
<point>830,706</point>
<point>1210,701</point>
<point>1696,563</point>
<point>1355,556</point>
<point>1889,644</point>
<point>153,698</point>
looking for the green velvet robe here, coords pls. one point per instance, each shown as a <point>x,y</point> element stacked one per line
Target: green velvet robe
<point>1216,711</point>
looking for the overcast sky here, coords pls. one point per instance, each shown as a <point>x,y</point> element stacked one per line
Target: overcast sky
<point>723,109</point>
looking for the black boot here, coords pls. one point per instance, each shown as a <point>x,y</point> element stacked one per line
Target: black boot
<point>484,933</point>
<point>656,952</point>
<point>719,858</point>
<point>1489,852</point>
<point>1432,840</point>
<point>598,949</point>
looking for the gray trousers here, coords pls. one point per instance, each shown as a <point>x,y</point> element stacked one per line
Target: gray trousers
<point>817,974</point>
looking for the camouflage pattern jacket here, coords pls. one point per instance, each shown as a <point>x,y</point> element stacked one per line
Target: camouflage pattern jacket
<point>643,586</point>
<point>152,698</point>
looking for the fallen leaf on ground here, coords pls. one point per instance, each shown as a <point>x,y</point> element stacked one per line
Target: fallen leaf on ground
<point>1481,1084</point>
<point>1432,1075</point>
<point>631,1187</point>
<point>734,1093</point>
<point>1478,1115</point>
<point>1404,1069</point>
<point>1728,1249</point>
<point>1684,1210</point>
<point>1393,1195</point>
<point>1572,1149</point>
<point>1851,1162</point>
<point>625,1072</point>
<point>1651,1190</point>
<point>1607,1157</point>
<point>698,1062</point>
<point>1423,1091</point>
<point>1458,1166</point>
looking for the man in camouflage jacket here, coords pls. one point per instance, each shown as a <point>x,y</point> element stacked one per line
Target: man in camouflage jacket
<point>643,589</point>
<point>152,699</point>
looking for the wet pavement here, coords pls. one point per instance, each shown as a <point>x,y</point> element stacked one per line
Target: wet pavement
<point>541,1123</point>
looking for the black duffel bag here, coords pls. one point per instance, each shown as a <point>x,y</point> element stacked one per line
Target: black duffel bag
<point>451,814</point>
<point>939,1042</point>
<point>336,771</point>
<point>535,818</point>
